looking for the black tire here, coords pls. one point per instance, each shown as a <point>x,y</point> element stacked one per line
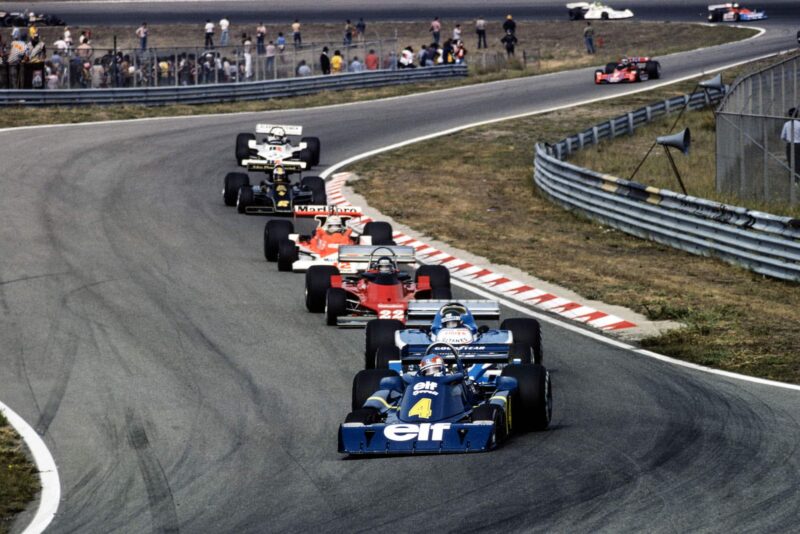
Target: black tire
<point>380,232</point>
<point>532,403</point>
<point>438,274</point>
<point>604,15</point>
<point>230,189</point>
<point>316,185</point>
<point>491,412</point>
<point>313,145</point>
<point>242,150</point>
<point>335,305</point>
<point>379,333</point>
<point>318,281</point>
<point>384,355</point>
<point>653,70</point>
<point>244,198</point>
<point>306,156</point>
<point>288,253</point>
<point>365,416</point>
<point>526,331</point>
<point>441,293</point>
<point>610,68</point>
<point>520,351</point>
<point>366,383</point>
<point>275,231</point>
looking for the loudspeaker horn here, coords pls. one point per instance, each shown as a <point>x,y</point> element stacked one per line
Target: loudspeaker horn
<point>681,140</point>
<point>713,83</point>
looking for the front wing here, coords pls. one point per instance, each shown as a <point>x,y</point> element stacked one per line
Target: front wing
<point>411,438</point>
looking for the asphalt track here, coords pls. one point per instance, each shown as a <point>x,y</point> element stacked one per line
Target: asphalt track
<point>181,385</point>
<point>193,11</point>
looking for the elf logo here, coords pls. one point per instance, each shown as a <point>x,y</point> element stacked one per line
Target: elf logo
<point>421,432</point>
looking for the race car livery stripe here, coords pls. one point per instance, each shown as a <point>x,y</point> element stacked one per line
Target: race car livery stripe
<point>382,401</point>
<point>494,281</point>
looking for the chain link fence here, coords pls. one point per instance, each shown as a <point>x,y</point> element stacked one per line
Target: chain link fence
<point>758,145</point>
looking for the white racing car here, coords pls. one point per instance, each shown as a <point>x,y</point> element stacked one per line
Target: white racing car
<point>276,149</point>
<point>596,11</point>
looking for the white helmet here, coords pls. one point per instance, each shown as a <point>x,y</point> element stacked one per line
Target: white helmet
<point>334,224</point>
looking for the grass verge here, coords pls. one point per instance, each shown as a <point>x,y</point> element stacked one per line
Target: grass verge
<point>549,46</point>
<point>19,480</point>
<point>474,190</point>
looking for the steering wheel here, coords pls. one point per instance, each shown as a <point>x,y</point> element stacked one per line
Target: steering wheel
<point>459,363</point>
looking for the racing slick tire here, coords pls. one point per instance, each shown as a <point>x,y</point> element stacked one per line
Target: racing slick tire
<point>244,198</point>
<point>230,190</point>
<point>526,331</point>
<point>287,254</point>
<point>381,233</point>
<point>307,157</point>
<point>366,383</point>
<point>365,416</point>
<point>318,281</point>
<point>379,333</point>
<point>441,293</point>
<point>604,15</point>
<point>313,145</point>
<point>495,414</point>
<point>242,149</point>
<point>520,351</point>
<point>653,69</point>
<point>440,281</point>
<point>532,403</point>
<point>384,355</point>
<point>335,305</point>
<point>316,185</point>
<point>275,231</point>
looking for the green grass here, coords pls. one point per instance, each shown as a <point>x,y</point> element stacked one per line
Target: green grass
<point>19,480</point>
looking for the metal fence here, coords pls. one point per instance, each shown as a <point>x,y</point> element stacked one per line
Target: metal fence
<point>761,242</point>
<point>755,162</point>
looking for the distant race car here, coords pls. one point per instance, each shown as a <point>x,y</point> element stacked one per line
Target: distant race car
<point>392,345</point>
<point>295,252</point>
<point>629,70</point>
<point>276,195</point>
<point>596,11</point>
<point>733,12</point>
<point>373,285</point>
<point>276,150</point>
<point>21,19</point>
<point>440,408</point>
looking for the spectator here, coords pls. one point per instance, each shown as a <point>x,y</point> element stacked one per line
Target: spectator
<point>141,33</point>
<point>447,52</point>
<point>271,50</point>
<point>303,69</point>
<point>480,29</point>
<point>68,38</point>
<point>372,60</point>
<point>16,33</point>
<point>247,52</point>
<point>52,79</point>
<point>36,50</point>
<point>791,136</point>
<point>422,55</point>
<point>82,38</point>
<point>510,41</point>
<point>459,52</point>
<point>436,29</point>
<point>224,25</point>
<point>325,61</point>
<point>17,54</point>
<point>85,51</point>
<point>406,60</point>
<point>209,43</point>
<point>336,62</point>
<point>348,33</point>
<point>85,77</point>
<point>509,25</point>
<point>355,65</point>
<point>280,44</point>
<point>261,33</point>
<point>588,38</point>
<point>457,33</point>
<point>361,28</point>
<point>98,74</point>
<point>296,37</point>
<point>60,46</point>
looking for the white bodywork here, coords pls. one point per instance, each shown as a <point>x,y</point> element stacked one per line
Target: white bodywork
<point>277,149</point>
<point>596,10</point>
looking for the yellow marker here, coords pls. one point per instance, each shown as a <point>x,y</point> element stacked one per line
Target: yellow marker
<point>422,409</point>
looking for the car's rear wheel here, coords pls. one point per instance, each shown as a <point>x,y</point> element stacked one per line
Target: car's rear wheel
<point>243,151</point>
<point>379,333</point>
<point>526,331</point>
<point>313,145</point>
<point>318,281</point>
<point>380,232</point>
<point>385,355</point>
<point>439,277</point>
<point>366,383</point>
<point>275,231</point>
<point>244,198</point>
<point>604,15</point>
<point>653,70</point>
<point>335,305</point>
<point>288,253</point>
<point>230,189</point>
<point>532,403</point>
<point>316,185</point>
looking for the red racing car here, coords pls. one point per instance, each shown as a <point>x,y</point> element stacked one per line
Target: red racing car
<point>629,70</point>
<point>382,291</point>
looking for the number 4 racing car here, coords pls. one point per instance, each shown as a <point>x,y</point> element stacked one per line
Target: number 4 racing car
<point>732,12</point>
<point>276,149</point>
<point>295,252</point>
<point>277,195</point>
<point>440,408</point>
<point>629,70</point>
<point>375,287</point>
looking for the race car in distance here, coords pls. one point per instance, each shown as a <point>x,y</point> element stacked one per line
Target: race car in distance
<point>276,149</point>
<point>375,286</point>
<point>733,12</point>
<point>27,18</point>
<point>629,70</point>
<point>276,195</point>
<point>392,345</point>
<point>596,11</point>
<point>295,252</point>
<point>442,410</point>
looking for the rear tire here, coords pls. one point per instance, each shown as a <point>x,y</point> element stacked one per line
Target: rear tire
<point>287,255</point>
<point>379,333</point>
<point>366,383</point>
<point>313,145</point>
<point>335,305</point>
<point>230,190</point>
<point>520,351</point>
<point>275,231</point>
<point>244,198</point>
<point>527,332</point>
<point>653,69</point>
<point>316,185</point>
<point>384,355</point>
<point>604,15</point>
<point>242,148</point>
<point>440,281</point>
<point>381,233</point>
<point>318,281</point>
<point>533,401</point>
<point>306,156</point>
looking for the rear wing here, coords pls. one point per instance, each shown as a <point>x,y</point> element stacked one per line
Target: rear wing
<point>576,5</point>
<point>327,211</point>
<point>353,259</point>
<point>423,311</point>
<point>288,129</point>
<point>719,6</point>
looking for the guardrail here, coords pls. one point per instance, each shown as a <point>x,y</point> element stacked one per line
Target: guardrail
<point>761,242</point>
<point>228,92</point>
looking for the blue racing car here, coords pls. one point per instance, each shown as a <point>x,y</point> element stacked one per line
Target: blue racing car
<point>440,408</point>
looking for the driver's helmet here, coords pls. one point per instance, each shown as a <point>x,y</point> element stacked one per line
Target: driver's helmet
<point>277,133</point>
<point>624,61</point>
<point>334,224</point>
<point>385,265</point>
<point>451,315</point>
<point>279,174</point>
<point>431,365</point>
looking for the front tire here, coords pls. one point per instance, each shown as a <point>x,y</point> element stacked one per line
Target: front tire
<point>316,185</point>
<point>288,253</point>
<point>318,281</point>
<point>380,232</point>
<point>244,198</point>
<point>335,305</point>
<point>230,189</point>
<point>366,383</point>
<point>275,232</point>
<point>243,150</point>
<point>495,414</point>
<point>533,401</point>
<point>653,69</point>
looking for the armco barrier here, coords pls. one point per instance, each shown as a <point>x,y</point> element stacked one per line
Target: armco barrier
<point>761,242</point>
<point>203,94</point>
